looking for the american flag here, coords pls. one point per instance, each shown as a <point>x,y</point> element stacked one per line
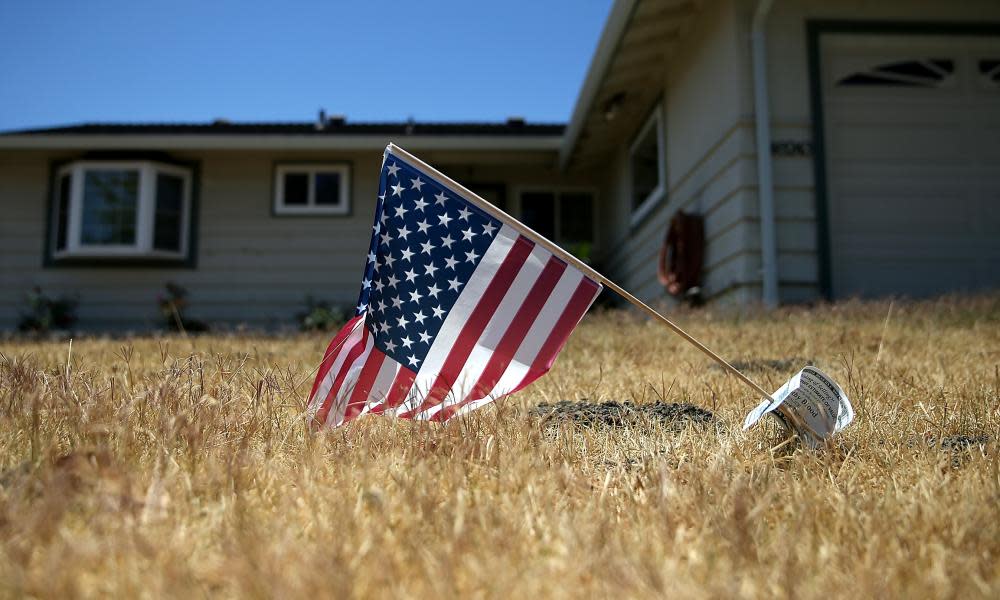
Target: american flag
<point>457,308</point>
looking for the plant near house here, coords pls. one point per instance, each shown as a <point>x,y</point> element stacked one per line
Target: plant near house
<point>46,314</point>
<point>172,305</point>
<point>320,316</point>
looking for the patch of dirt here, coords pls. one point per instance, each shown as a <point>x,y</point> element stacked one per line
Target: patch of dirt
<point>769,364</point>
<point>618,414</point>
<point>961,447</point>
<point>963,442</point>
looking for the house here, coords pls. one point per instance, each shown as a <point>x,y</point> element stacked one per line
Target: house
<point>249,218</point>
<point>833,149</point>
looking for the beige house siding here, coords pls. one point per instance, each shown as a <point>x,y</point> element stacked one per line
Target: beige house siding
<point>791,118</point>
<point>23,184</point>
<point>711,155</point>
<point>251,267</point>
<point>708,153</point>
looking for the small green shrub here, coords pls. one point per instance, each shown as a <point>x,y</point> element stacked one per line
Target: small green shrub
<point>172,305</point>
<point>320,316</point>
<point>46,314</point>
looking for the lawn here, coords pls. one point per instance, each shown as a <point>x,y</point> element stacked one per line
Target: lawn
<point>173,466</point>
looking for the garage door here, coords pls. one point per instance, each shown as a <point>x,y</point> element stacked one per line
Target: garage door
<point>913,163</point>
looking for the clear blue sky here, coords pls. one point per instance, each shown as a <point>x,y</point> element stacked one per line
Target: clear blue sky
<point>70,62</point>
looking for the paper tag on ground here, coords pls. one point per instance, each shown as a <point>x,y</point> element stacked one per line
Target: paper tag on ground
<point>815,399</point>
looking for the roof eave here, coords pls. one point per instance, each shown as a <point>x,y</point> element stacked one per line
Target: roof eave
<point>276,142</point>
<point>614,28</point>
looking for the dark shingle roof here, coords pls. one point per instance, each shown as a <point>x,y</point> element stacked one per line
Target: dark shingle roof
<point>513,127</point>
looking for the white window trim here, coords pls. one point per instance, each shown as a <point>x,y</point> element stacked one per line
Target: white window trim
<point>557,191</point>
<point>145,212</point>
<point>658,193</point>
<point>312,169</point>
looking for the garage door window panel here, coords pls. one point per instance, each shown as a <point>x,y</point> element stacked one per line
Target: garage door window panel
<point>926,73</point>
<point>989,72</point>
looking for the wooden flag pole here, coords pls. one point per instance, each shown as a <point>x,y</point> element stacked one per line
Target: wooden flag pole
<point>472,197</point>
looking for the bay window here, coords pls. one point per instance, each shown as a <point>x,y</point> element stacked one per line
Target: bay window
<point>121,210</point>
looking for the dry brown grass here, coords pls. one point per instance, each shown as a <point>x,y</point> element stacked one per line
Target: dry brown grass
<point>182,467</point>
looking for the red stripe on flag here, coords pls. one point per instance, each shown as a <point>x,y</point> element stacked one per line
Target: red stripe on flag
<point>512,338</point>
<point>575,309</point>
<point>331,353</point>
<point>397,393</point>
<point>363,387</point>
<point>352,355</point>
<point>476,324</point>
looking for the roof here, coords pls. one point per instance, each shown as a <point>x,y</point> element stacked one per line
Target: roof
<point>512,127</point>
<point>624,78</point>
<point>334,133</point>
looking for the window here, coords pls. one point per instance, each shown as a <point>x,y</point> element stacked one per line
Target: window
<point>105,209</point>
<point>311,189</point>
<point>647,166</point>
<point>494,193</point>
<point>538,211</point>
<point>928,73</point>
<point>989,71</point>
<point>564,216</point>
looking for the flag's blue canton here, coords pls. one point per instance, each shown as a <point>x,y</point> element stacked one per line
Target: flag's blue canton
<point>426,242</point>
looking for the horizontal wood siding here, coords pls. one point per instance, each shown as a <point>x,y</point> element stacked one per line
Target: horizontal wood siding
<point>709,167</point>
<point>715,188</point>
<point>23,184</point>
<point>252,267</point>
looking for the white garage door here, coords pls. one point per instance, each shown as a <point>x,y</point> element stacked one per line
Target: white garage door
<point>913,163</point>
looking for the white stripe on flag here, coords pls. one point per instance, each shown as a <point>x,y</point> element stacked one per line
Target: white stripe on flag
<point>336,415</point>
<point>540,330</point>
<point>383,381</point>
<point>498,325</point>
<point>457,317</point>
<point>324,389</point>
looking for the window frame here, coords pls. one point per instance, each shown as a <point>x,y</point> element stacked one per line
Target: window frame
<point>280,209</point>
<point>142,249</point>
<point>557,191</point>
<point>658,193</point>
